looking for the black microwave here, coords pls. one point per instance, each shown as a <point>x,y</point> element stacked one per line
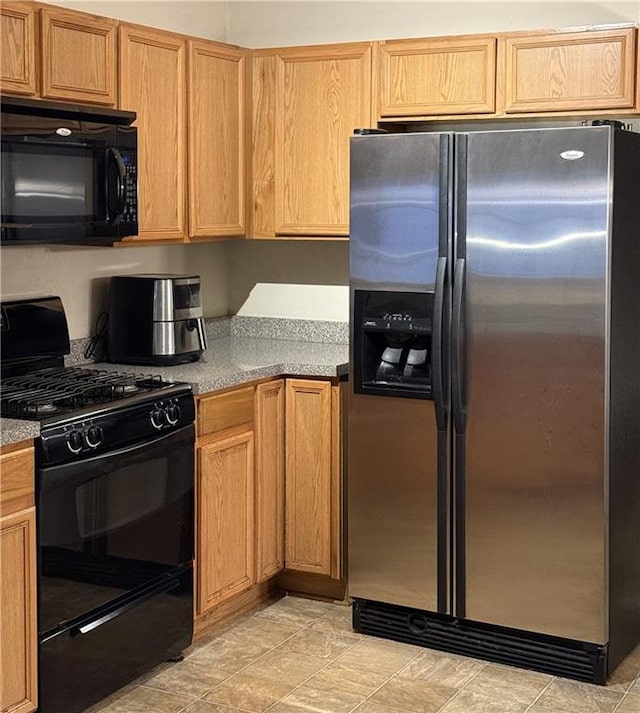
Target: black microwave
<point>69,173</point>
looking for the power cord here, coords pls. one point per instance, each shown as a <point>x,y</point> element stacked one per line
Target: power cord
<point>98,344</point>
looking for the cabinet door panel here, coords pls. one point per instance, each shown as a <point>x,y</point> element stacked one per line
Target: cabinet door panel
<point>78,56</point>
<point>322,95</point>
<point>18,48</point>
<point>270,478</point>
<point>18,645</point>
<point>570,71</point>
<point>216,139</point>
<point>153,84</point>
<point>432,77</point>
<point>308,476</point>
<point>225,519</point>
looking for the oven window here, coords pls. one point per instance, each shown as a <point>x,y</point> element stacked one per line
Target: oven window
<point>49,183</point>
<point>109,502</point>
<point>113,524</point>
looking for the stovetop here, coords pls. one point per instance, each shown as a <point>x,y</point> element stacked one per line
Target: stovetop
<point>55,392</point>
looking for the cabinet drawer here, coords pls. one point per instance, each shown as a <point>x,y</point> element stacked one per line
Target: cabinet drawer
<point>16,481</point>
<point>234,408</point>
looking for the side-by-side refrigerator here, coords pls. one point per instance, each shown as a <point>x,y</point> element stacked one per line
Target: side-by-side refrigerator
<point>494,413</point>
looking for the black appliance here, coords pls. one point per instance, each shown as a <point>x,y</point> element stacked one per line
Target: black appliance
<point>69,173</point>
<point>155,319</point>
<point>114,510</point>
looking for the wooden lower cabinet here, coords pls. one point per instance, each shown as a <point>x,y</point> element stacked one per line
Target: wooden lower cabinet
<point>226,526</point>
<point>18,627</point>
<point>312,500</point>
<point>270,482</point>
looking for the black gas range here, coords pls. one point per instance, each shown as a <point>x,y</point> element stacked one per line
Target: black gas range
<point>114,509</point>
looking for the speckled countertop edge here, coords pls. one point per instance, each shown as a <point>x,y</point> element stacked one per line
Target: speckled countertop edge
<point>233,360</point>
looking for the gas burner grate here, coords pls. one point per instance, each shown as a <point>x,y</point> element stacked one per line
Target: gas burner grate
<point>47,392</point>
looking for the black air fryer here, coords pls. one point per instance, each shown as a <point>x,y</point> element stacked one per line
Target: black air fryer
<point>155,319</point>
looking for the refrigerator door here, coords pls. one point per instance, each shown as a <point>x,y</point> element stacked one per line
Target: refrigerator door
<point>397,443</point>
<point>535,384</point>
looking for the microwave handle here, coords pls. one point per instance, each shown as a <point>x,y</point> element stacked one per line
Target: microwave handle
<point>113,155</point>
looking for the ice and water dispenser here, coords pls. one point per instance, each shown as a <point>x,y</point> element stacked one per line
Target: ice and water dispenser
<point>393,343</point>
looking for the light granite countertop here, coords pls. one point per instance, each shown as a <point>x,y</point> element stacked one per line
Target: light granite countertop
<point>230,360</point>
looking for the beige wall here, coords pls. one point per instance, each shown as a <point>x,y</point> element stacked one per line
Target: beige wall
<point>81,275</point>
<point>265,277</point>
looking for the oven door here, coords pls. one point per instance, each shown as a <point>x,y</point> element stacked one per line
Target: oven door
<point>112,525</point>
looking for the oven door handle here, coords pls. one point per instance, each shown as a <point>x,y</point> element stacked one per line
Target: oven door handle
<point>124,608</point>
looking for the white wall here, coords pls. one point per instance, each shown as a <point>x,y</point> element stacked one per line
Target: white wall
<point>202,18</point>
<point>271,24</point>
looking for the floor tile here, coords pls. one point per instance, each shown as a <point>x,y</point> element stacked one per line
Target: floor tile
<point>206,707</point>
<point>147,700</point>
<point>323,644</point>
<point>338,620</point>
<point>229,656</point>
<point>285,667</point>
<point>626,673</point>
<point>571,696</point>
<point>509,685</point>
<point>295,610</point>
<point>413,695</point>
<point>630,704</point>
<point>305,698</point>
<point>340,677</point>
<point>373,707</point>
<point>453,671</point>
<point>249,692</point>
<point>471,702</point>
<point>259,630</point>
<point>378,656</point>
<point>190,678</point>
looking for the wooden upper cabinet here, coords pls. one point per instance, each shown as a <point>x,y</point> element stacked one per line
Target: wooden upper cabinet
<point>79,59</point>
<point>322,95</point>
<point>436,76</point>
<point>569,71</point>
<point>153,84</point>
<point>216,90</point>
<point>18,47</point>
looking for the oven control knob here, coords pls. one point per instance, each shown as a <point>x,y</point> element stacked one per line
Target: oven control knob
<point>157,417</point>
<point>75,441</point>
<point>94,436</point>
<point>173,414</point>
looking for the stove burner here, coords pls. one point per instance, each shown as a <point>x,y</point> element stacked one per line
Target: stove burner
<point>41,393</point>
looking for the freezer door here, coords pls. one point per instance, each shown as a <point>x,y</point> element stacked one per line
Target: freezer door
<point>397,491</point>
<point>535,304</point>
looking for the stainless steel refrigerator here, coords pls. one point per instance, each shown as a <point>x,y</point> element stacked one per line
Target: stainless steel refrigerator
<point>494,413</point>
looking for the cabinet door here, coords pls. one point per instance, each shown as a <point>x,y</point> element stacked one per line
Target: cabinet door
<point>153,84</point>
<point>216,139</point>
<point>78,56</point>
<point>18,47</point>
<point>322,95</point>
<point>437,76</point>
<point>225,557</point>
<point>269,479</point>
<point>308,476</point>
<point>18,643</point>
<point>570,71</point>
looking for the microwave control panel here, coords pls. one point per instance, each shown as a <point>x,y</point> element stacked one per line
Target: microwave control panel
<point>130,213</point>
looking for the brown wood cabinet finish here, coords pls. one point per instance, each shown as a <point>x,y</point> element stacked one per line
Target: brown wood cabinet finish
<point>79,59</point>
<point>228,410</point>
<point>226,522</point>
<point>153,84</point>
<point>569,71</point>
<point>435,76</point>
<point>270,479</point>
<point>216,139</point>
<point>18,626</point>
<point>308,476</point>
<point>18,48</point>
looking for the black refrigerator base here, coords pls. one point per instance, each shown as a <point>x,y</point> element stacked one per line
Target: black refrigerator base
<point>539,652</point>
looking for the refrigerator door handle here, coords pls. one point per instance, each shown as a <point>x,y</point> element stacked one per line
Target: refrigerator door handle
<point>457,376</point>
<point>438,323</point>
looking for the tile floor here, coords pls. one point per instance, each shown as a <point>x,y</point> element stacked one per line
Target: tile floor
<point>297,655</point>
